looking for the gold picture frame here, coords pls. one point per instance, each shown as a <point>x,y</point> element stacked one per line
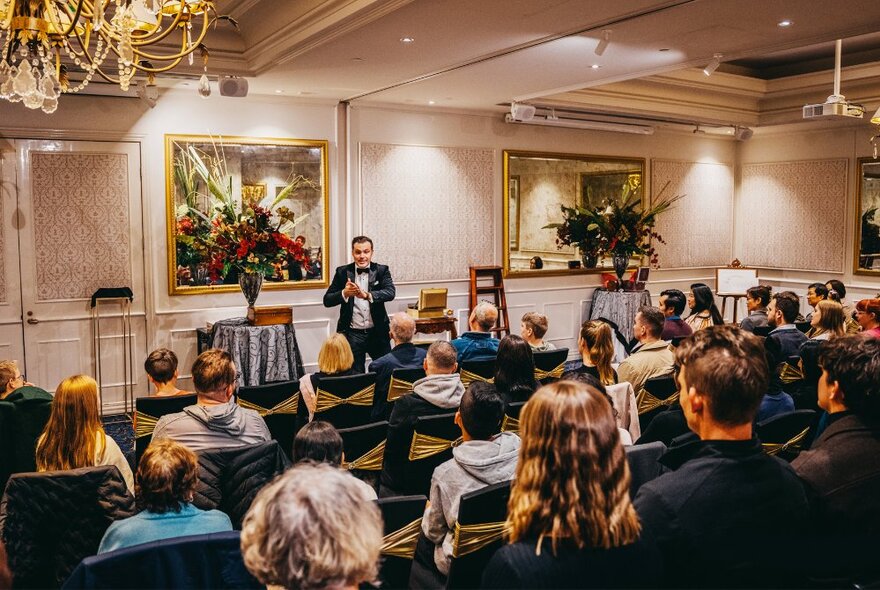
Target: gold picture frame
<point>251,165</point>
<point>866,243</point>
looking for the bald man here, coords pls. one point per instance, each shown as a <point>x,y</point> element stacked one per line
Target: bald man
<point>477,344</point>
<point>404,355</point>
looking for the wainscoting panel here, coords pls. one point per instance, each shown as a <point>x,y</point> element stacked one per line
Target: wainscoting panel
<point>563,326</point>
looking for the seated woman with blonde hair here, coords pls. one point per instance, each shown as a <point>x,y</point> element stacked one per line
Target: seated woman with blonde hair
<point>828,321</point>
<point>596,345</point>
<point>166,481</point>
<point>570,520</point>
<point>74,436</point>
<point>335,359</point>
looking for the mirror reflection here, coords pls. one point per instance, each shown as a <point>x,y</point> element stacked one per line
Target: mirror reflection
<point>867,245</point>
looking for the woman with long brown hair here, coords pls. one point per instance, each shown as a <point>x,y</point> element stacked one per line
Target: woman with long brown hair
<point>570,522</point>
<point>596,345</point>
<point>828,321</point>
<point>74,436</point>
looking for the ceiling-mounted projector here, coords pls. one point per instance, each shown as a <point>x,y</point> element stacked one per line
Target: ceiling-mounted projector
<point>835,105</point>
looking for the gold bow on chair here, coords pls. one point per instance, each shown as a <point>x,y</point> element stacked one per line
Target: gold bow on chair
<point>790,374</point>
<point>792,443</point>
<point>287,406</point>
<point>402,542</point>
<point>555,372</point>
<point>468,377</point>
<point>369,461</point>
<point>425,445</point>
<point>398,388</point>
<point>509,424</point>
<point>473,537</point>
<point>327,400</point>
<point>647,402</point>
<point>145,424</point>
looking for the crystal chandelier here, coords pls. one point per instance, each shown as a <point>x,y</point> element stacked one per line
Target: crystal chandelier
<point>44,41</point>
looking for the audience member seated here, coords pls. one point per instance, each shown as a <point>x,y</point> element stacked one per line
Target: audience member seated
<point>404,355</point>
<point>485,457</point>
<point>596,345</point>
<point>842,467</point>
<point>74,436</point>
<point>672,302</point>
<point>726,504</point>
<point>310,528</point>
<point>533,328</point>
<point>161,368</point>
<point>868,317</point>
<point>320,442</point>
<point>827,322</point>
<point>839,288</point>
<point>477,344</point>
<point>335,359</point>
<point>816,292</point>
<point>653,356</point>
<point>515,370</point>
<point>704,312</point>
<point>571,522</point>
<point>166,480</point>
<point>783,342</point>
<point>215,421</point>
<point>13,382</point>
<point>32,407</point>
<point>439,392</point>
<point>592,382</point>
<point>757,300</point>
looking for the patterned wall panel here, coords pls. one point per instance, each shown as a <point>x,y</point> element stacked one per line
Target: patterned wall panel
<point>428,209</point>
<point>698,229</point>
<point>81,223</point>
<point>793,215</point>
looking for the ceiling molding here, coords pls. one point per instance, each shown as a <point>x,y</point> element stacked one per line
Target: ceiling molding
<point>241,7</point>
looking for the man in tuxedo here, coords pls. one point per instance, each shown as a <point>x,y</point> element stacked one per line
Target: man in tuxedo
<point>362,288</point>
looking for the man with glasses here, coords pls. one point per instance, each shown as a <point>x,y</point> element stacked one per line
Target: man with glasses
<point>22,419</point>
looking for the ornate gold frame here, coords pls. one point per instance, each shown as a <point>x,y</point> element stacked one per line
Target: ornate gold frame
<point>857,230</point>
<point>170,218</point>
<point>505,172</point>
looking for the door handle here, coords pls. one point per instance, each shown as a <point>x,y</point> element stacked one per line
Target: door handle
<point>33,321</point>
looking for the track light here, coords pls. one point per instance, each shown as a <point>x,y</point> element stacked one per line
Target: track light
<point>713,65</point>
<point>603,42</point>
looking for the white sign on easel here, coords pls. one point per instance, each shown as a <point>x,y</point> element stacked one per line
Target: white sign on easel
<point>735,281</point>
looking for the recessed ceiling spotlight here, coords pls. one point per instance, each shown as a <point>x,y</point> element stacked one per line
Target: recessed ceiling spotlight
<point>407,40</point>
<point>595,66</point>
<point>784,23</point>
<point>279,91</point>
<point>432,102</point>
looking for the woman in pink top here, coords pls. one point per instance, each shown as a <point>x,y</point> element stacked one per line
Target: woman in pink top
<point>868,316</point>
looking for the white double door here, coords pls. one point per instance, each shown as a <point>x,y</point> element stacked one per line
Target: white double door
<point>71,223</point>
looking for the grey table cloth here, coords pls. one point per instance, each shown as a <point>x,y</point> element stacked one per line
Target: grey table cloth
<point>620,307</point>
<point>262,354</point>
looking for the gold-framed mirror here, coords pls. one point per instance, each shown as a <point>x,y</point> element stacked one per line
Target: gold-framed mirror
<point>866,249</point>
<point>246,200</point>
<point>536,187</point>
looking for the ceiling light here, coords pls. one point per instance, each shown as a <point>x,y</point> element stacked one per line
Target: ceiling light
<point>603,42</point>
<point>407,40</point>
<point>713,65</point>
<point>743,133</point>
<point>547,121</point>
<point>784,23</point>
<point>876,118</point>
<point>278,91</point>
<point>595,66</point>
<point>432,102</point>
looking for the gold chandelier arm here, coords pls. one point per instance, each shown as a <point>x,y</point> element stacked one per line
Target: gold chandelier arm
<point>193,44</point>
<point>50,7</point>
<point>149,40</point>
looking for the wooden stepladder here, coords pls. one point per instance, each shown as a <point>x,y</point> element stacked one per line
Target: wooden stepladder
<point>487,280</point>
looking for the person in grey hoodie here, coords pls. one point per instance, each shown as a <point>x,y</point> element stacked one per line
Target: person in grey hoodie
<point>216,421</point>
<point>438,393</point>
<point>485,457</point>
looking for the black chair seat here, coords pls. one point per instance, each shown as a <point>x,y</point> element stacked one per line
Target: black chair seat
<point>477,371</point>
<point>344,402</point>
<point>148,410</point>
<point>278,404</point>
<point>550,364</point>
<point>403,518</point>
<point>787,434</point>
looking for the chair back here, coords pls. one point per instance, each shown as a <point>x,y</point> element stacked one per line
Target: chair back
<point>345,401</point>
<point>644,464</point>
<point>785,435</point>
<point>804,327</point>
<point>763,331</point>
<point>430,445</point>
<point>675,341</point>
<point>402,381</point>
<point>52,520</point>
<point>277,403</point>
<point>7,467</point>
<point>477,371</point>
<point>229,479</point>
<point>364,448</point>
<point>477,534</point>
<point>403,522</point>
<point>549,365</point>
<point>656,395</point>
<point>198,561</point>
<point>510,422</point>
<point>626,406</point>
<point>148,410</point>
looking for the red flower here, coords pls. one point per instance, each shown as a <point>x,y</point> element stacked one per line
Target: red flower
<point>243,248</point>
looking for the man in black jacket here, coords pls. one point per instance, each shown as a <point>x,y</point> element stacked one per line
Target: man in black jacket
<point>404,355</point>
<point>361,289</point>
<point>725,510</point>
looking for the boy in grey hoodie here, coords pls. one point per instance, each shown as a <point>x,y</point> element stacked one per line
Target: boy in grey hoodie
<point>216,421</point>
<point>484,458</point>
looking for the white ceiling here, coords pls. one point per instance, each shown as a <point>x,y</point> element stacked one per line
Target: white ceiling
<point>478,54</point>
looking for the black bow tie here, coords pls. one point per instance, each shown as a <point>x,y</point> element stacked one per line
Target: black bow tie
<point>363,270</point>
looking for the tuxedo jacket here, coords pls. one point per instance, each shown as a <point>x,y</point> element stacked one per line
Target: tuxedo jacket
<point>380,286</point>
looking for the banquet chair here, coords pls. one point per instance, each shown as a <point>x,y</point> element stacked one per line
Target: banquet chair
<point>804,327</point>
<point>477,371</point>
<point>402,516</point>
<point>148,410</point>
<point>402,381</point>
<point>364,450</point>
<point>277,403</point>
<point>786,435</point>
<point>644,464</point>
<point>342,401</point>
<point>477,534</point>
<point>762,331</point>
<point>431,444</point>
<point>549,365</point>
<point>656,395</point>
<point>510,422</point>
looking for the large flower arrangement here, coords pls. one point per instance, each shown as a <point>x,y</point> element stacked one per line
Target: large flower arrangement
<point>620,229</point>
<point>236,236</point>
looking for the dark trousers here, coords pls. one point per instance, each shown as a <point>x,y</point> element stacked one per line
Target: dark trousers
<point>374,342</point>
